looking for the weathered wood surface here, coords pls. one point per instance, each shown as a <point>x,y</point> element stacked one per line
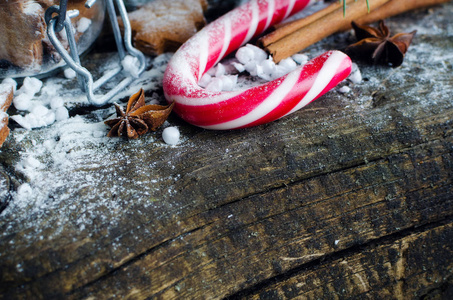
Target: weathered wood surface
<point>350,197</point>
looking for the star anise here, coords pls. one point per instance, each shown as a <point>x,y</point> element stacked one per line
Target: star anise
<point>138,118</point>
<point>376,45</point>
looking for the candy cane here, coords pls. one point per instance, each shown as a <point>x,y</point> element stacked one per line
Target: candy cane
<point>256,105</point>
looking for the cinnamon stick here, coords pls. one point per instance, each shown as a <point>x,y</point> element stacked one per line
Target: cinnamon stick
<point>288,28</point>
<point>323,27</point>
<point>393,8</point>
<point>304,32</point>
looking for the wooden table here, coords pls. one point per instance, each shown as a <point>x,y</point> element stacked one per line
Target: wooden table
<point>350,197</point>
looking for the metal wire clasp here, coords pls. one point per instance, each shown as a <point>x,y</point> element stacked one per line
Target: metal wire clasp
<point>57,19</point>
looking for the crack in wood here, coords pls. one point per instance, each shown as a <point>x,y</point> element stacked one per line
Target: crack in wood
<point>388,240</point>
<point>134,259</point>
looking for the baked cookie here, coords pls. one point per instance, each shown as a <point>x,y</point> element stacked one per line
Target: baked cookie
<point>161,25</point>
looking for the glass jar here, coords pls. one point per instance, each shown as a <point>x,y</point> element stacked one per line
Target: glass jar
<point>25,49</point>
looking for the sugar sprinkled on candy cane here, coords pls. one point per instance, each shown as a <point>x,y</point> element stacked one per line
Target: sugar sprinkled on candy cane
<point>256,105</point>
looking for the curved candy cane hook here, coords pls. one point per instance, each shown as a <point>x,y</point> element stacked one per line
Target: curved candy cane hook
<point>256,105</point>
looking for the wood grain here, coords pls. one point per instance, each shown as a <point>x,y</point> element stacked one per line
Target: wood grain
<point>350,197</point>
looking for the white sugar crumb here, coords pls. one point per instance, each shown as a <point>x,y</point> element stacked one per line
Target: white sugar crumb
<point>205,80</point>
<point>239,67</point>
<point>70,73</point>
<point>215,85</point>
<point>288,63</point>
<point>344,89</point>
<point>39,110</point>
<point>356,75</point>
<point>171,135</point>
<point>30,121</point>
<point>30,86</point>
<point>61,114</point>
<point>7,83</point>
<point>253,60</point>
<point>229,82</point>
<point>131,65</point>
<point>22,101</point>
<point>300,58</point>
<point>56,102</point>
<point>220,70</point>
<point>83,24</point>
<point>24,191</point>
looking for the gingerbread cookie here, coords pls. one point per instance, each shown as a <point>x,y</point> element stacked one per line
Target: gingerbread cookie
<point>162,25</point>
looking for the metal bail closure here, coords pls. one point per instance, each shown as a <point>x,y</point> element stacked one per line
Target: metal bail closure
<point>72,59</point>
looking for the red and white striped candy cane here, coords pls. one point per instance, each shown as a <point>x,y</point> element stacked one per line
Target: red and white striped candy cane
<point>256,105</point>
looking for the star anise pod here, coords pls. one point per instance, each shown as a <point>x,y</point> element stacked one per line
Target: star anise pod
<point>138,118</point>
<point>376,45</point>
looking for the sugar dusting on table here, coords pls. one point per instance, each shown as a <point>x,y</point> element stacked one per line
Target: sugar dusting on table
<point>63,150</point>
